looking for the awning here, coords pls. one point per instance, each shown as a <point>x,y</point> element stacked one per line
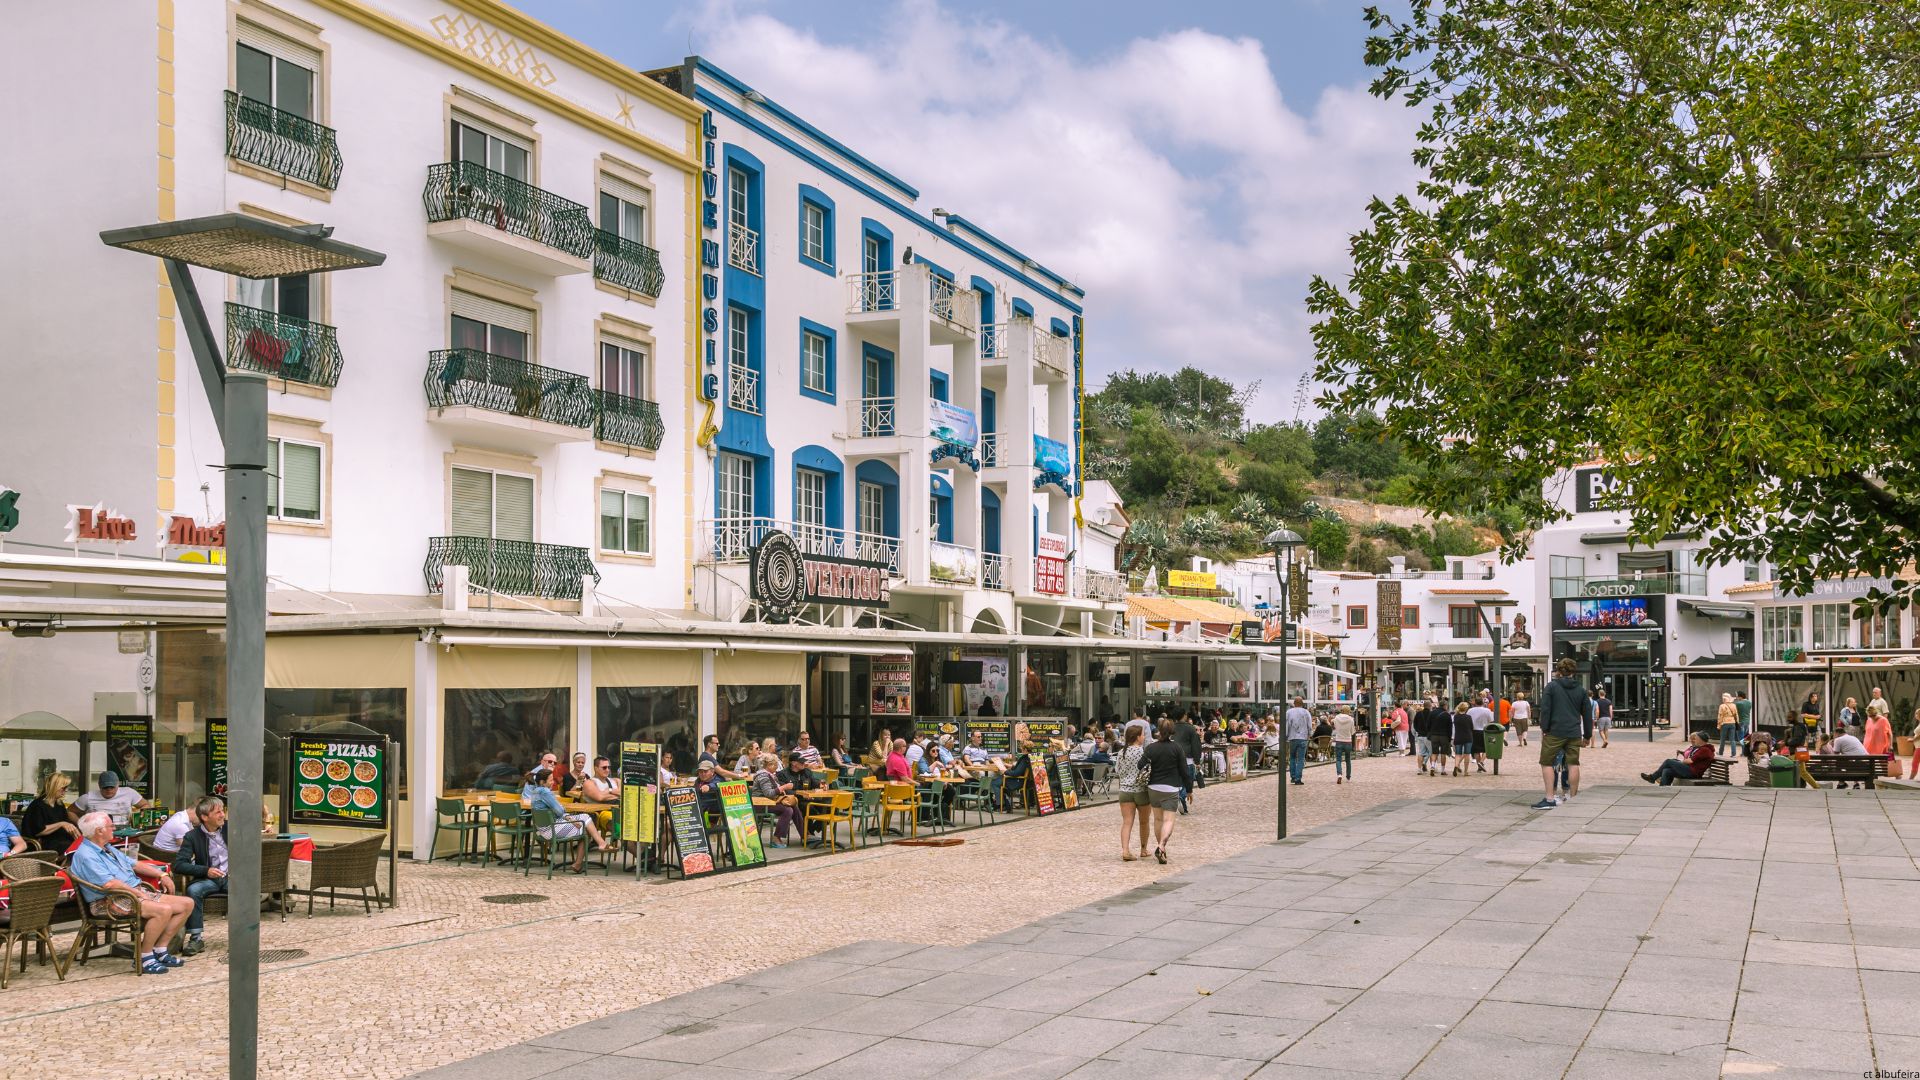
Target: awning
<point>1708,610</point>
<point>1623,538</point>
<point>1184,609</point>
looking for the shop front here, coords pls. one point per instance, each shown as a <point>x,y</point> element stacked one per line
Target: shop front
<point>1619,644</point>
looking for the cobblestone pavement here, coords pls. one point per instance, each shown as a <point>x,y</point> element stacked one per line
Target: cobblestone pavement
<point>448,976</point>
<point>1635,932</point>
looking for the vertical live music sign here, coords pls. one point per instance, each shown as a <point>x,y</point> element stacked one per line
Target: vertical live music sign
<point>1387,599</point>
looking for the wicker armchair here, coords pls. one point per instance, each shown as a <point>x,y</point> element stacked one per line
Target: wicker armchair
<point>348,866</point>
<point>124,915</point>
<point>28,867</point>
<point>30,918</point>
<point>275,857</point>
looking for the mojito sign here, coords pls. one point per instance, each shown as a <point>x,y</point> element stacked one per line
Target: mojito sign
<point>338,781</point>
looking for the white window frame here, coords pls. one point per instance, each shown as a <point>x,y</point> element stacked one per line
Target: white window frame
<point>491,136</point>
<point>493,503</point>
<point>739,201</point>
<point>626,496</point>
<point>276,446</point>
<point>809,498</point>
<point>813,231</point>
<point>1781,628</point>
<point>735,491</point>
<point>1832,626</point>
<point>626,196</point>
<point>813,369</point>
<point>870,508</point>
<point>641,379</point>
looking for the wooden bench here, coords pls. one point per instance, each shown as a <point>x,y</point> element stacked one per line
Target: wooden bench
<point>1847,768</point>
<point>1717,775</point>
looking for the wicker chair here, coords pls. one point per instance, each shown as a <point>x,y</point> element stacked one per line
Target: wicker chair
<point>106,928</point>
<point>27,867</point>
<point>30,918</point>
<point>276,857</point>
<point>348,866</point>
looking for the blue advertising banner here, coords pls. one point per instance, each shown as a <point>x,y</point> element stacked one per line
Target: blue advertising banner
<point>953,425</point>
<point>1053,459</point>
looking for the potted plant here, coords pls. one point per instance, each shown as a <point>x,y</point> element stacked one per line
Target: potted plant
<point>1903,725</point>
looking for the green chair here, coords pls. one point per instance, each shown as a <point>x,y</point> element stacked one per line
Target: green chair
<point>555,846</point>
<point>505,818</point>
<point>451,815</point>
<point>931,812</point>
<point>866,812</point>
<point>974,796</point>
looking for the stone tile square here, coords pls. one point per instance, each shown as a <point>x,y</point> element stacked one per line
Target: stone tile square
<point>1003,1063</point>
<point>1256,1038</point>
<point>800,974</point>
<point>1163,1065</point>
<point>1547,988</point>
<point>880,981</point>
<point>1075,1035</point>
<point>1523,1020</point>
<point>1054,994</point>
<point>1262,995</point>
<point>796,1052</point>
<point>978,1025</point>
<point>1493,1057</point>
<point>611,1033</point>
<point>795,1008</point>
<point>960,987</point>
<point>523,1062</point>
<point>703,1041</point>
<point>885,1016</point>
<point>1679,986</point>
<point>1814,1046</point>
<point>899,1059</point>
<point>1673,1035</point>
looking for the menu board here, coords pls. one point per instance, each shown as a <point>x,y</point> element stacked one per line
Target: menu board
<point>1065,789</point>
<point>995,735</point>
<point>1042,791</point>
<point>1236,762</point>
<point>217,756</point>
<point>639,791</point>
<point>130,752</point>
<point>743,834</point>
<point>891,679</point>
<point>1040,731</point>
<point>689,836</point>
<point>337,781</point>
<point>937,727</point>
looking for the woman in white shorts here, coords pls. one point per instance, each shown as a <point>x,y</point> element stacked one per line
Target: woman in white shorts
<point>538,796</point>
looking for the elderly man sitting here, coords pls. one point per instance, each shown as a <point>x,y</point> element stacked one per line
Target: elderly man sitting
<point>98,867</point>
<point>202,860</point>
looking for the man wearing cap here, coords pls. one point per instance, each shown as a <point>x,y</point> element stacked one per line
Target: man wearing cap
<point>115,801</point>
<point>707,786</point>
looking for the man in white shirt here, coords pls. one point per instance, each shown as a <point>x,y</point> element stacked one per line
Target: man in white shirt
<point>1480,716</point>
<point>1521,713</point>
<point>976,751</point>
<point>115,801</point>
<point>175,829</point>
<point>807,751</point>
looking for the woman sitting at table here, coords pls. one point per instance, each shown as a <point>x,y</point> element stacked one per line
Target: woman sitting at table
<point>538,795</point>
<point>49,822</point>
<point>841,759</point>
<point>778,786</point>
<point>877,753</point>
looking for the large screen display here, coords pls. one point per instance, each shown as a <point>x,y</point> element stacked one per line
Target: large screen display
<point>1619,613</point>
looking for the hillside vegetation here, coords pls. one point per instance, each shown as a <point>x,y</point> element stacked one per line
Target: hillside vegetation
<point>1201,477</point>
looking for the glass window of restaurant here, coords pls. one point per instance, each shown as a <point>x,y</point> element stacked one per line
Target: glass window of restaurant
<point>1052,684</point>
<point>1831,623</point>
<point>1780,630</point>
<point>668,716</point>
<point>383,711</point>
<point>500,734</point>
<point>758,696</point>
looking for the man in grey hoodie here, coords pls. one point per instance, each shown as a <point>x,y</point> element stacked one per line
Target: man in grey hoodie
<point>1563,711</point>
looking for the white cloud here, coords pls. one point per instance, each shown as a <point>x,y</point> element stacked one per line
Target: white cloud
<point>1169,179</point>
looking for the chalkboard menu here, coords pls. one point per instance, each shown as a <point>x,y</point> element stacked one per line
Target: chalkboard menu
<point>689,835</point>
<point>1042,730</point>
<point>936,727</point>
<point>217,756</point>
<point>639,791</point>
<point>1042,791</point>
<point>1066,791</point>
<point>995,735</point>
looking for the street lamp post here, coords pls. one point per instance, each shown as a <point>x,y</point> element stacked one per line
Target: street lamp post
<point>1282,542</point>
<point>251,248</point>
<point>1495,632</point>
<point>1656,631</point>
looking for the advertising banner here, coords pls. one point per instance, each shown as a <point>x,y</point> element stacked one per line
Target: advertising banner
<point>1066,792</point>
<point>130,752</point>
<point>782,578</point>
<point>639,791</point>
<point>1192,579</point>
<point>217,756</point>
<point>689,835</point>
<point>338,781</point>
<point>952,425</point>
<point>891,678</point>
<point>1050,564</point>
<point>951,564</point>
<point>1236,762</point>
<point>743,835</point>
<point>1042,791</point>
<point>1041,731</point>
<point>992,685</point>
<point>1387,615</point>
<point>1053,460</point>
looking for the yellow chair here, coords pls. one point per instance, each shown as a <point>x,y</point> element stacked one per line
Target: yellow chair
<point>830,812</point>
<point>900,798</point>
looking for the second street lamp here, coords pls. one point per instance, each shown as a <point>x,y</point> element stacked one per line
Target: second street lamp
<point>1283,542</point>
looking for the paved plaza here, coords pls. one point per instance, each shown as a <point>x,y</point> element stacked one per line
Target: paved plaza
<point>1636,932</point>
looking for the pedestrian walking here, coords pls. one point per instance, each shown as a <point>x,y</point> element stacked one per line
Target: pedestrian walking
<point>1729,720</point>
<point>1480,716</point>
<point>1743,706</point>
<point>1462,738</point>
<point>1130,780</point>
<point>1400,719</point>
<point>1603,718</point>
<point>1187,738</point>
<point>1563,711</point>
<point>1439,735</point>
<point>1167,776</point>
<point>1342,744</point>
<point>1299,730</point>
<point>1522,714</point>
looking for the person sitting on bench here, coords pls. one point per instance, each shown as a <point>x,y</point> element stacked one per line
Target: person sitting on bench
<point>1844,743</point>
<point>1691,764</point>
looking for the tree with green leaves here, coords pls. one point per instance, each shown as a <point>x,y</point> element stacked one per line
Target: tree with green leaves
<point>1677,235</point>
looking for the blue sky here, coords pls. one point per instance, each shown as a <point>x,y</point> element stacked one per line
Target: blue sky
<point>1190,164</point>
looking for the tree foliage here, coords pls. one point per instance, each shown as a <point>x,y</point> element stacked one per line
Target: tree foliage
<point>1678,235</point>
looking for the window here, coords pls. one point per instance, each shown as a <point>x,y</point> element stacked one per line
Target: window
<point>294,480</point>
<point>1751,572</point>
<point>623,209</point>
<point>1410,618</point>
<point>492,504</point>
<point>483,147</point>
<point>736,486</point>
<point>274,72</point>
<point>1356,616</point>
<point>870,509</point>
<point>873,257</point>
<point>498,735</point>
<point>626,522</point>
<point>290,296</point>
<point>810,504</point>
<point>1780,629</point>
<point>737,338</point>
<point>743,380</point>
<point>1880,631</point>
<point>1566,574</point>
<point>1830,625</point>
<point>813,232</point>
<point>737,198</point>
<point>816,360</point>
<point>1464,620</point>
<point>491,326</point>
<point>623,369</point>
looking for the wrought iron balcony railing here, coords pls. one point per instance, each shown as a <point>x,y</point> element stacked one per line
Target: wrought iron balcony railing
<point>505,385</point>
<point>280,141</point>
<point>514,567</point>
<point>743,249</point>
<point>461,189</point>
<point>282,346</point>
<point>627,263</point>
<point>743,388</point>
<point>629,421</point>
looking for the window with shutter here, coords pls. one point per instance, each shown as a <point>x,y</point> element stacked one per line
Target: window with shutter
<point>472,502</point>
<point>626,522</point>
<point>275,71</point>
<point>512,507</point>
<point>300,481</point>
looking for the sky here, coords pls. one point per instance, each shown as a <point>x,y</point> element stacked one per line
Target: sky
<point>1190,165</point>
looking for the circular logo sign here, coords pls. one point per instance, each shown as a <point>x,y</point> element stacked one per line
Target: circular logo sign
<point>779,577</point>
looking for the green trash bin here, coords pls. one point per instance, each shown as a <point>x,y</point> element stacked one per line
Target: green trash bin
<point>1496,740</point>
<point>1782,772</point>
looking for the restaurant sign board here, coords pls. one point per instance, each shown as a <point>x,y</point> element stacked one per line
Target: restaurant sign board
<point>1050,564</point>
<point>639,790</point>
<point>1066,792</point>
<point>1236,762</point>
<point>689,835</point>
<point>996,736</point>
<point>891,679</point>
<point>130,752</point>
<point>1041,731</point>
<point>217,756</point>
<point>782,579</point>
<point>1042,792</point>
<point>338,780</point>
<point>743,834</point>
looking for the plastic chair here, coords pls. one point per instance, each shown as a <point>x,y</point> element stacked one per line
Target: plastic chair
<point>866,812</point>
<point>451,815</point>
<point>900,799</point>
<point>830,812</point>
<point>544,826</point>
<point>975,796</point>
<point>504,817</point>
<point>30,911</point>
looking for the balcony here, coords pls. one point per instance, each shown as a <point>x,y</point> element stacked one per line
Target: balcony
<point>871,292</point>
<point>729,539</point>
<point>281,142</point>
<point>1461,633</point>
<point>873,547</point>
<point>989,449</point>
<point>994,339</point>
<point>1105,586</point>
<point>628,421</point>
<point>993,571</point>
<point>498,217</point>
<point>499,399</point>
<point>877,417</point>
<point>1053,353</point>
<point>282,346</point>
<point>955,311</point>
<point>743,389</point>
<point>513,567</point>
<point>1685,583</point>
<point>743,249</point>
<point>627,264</point>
